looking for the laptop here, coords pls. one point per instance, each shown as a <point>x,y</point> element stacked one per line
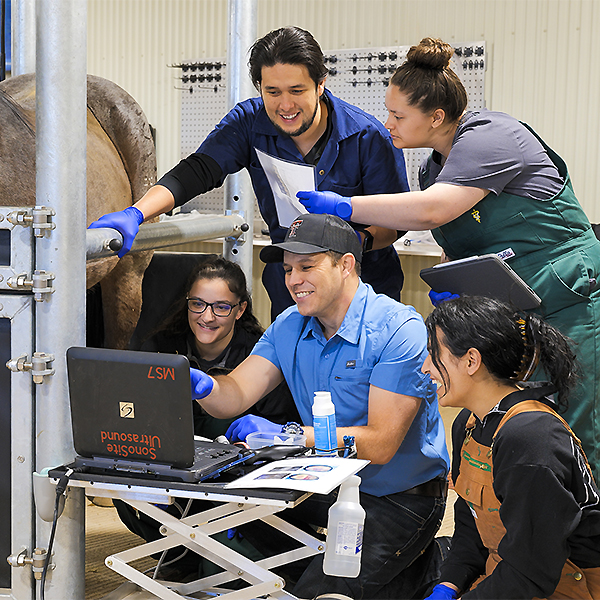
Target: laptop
<point>486,275</point>
<point>132,415</point>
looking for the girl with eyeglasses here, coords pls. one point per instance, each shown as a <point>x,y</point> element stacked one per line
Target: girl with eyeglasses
<point>214,326</point>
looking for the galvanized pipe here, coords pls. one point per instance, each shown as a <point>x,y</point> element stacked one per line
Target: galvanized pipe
<point>170,232</point>
<point>61,131</point>
<point>239,195</point>
<point>22,37</point>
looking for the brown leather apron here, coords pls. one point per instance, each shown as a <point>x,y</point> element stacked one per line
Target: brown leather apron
<point>475,485</point>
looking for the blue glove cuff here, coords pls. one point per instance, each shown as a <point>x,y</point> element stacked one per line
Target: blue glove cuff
<point>135,212</point>
<point>442,592</point>
<point>343,209</point>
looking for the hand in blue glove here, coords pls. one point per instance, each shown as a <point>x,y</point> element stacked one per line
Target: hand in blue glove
<point>202,384</point>
<point>326,202</point>
<point>442,592</point>
<point>241,427</point>
<point>127,222</point>
<point>439,297</point>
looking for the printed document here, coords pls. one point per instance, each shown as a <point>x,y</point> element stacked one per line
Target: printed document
<point>317,474</point>
<point>286,179</point>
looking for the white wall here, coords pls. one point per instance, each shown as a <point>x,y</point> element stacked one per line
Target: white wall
<point>544,60</point>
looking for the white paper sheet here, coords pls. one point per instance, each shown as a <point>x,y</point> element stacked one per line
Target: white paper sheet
<point>286,180</point>
<point>317,474</point>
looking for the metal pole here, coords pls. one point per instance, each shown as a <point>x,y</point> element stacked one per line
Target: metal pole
<point>179,229</point>
<point>239,195</point>
<point>61,124</point>
<point>23,36</point>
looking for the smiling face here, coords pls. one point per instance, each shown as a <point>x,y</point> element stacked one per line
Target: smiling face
<point>213,333</point>
<point>315,284</point>
<point>452,378</point>
<point>408,125</point>
<point>291,99</point>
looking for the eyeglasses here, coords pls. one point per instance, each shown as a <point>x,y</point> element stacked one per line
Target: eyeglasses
<point>219,309</point>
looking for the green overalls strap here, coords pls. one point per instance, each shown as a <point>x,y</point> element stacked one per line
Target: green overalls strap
<point>551,245</point>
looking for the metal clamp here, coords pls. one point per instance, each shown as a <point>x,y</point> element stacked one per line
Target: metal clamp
<point>36,561</point>
<point>39,218</point>
<point>40,283</point>
<point>39,365</point>
<point>243,227</point>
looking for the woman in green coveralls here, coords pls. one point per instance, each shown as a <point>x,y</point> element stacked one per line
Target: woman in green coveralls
<point>491,185</point>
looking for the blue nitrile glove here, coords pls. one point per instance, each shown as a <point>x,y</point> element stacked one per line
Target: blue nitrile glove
<point>326,202</point>
<point>202,384</point>
<point>247,424</point>
<point>442,592</point>
<point>439,297</point>
<point>127,222</point>
<point>233,532</point>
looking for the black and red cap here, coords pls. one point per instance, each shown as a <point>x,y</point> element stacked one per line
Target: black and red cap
<point>312,233</point>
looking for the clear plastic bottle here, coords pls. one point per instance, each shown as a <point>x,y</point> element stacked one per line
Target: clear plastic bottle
<point>323,411</point>
<point>345,532</point>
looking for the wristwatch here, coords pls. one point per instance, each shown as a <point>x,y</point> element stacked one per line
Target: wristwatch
<point>292,428</point>
<point>368,241</point>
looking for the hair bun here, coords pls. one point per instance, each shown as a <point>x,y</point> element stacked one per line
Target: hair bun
<point>431,53</point>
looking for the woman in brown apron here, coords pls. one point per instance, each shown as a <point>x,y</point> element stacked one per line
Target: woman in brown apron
<point>527,520</point>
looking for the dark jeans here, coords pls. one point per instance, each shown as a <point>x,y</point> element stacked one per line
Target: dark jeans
<point>399,557</point>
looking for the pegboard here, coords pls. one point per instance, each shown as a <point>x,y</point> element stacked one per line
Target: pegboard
<point>357,75</point>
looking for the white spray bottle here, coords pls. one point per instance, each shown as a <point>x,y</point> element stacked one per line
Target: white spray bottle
<point>345,532</point>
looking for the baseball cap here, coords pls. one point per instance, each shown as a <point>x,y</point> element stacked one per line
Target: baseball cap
<point>310,233</point>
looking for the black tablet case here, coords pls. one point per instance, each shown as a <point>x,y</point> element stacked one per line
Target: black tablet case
<point>486,275</point>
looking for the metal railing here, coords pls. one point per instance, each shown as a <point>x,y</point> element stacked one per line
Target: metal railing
<point>172,231</point>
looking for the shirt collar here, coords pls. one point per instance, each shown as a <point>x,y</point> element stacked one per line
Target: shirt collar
<point>533,390</point>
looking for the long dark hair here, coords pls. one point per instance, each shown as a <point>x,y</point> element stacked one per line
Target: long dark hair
<point>510,342</point>
<point>287,46</point>
<point>428,81</point>
<point>177,324</point>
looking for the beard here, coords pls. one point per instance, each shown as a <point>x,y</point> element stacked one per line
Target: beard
<point>304,127</point>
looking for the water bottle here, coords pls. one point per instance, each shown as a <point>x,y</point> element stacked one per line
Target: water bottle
<point>345,532</point>
<point>323,411</point>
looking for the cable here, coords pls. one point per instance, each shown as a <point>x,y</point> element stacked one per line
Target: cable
<point>61,489</point>
<point>160,562</point>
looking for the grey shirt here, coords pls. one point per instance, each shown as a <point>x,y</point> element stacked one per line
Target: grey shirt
<point>494,151</point>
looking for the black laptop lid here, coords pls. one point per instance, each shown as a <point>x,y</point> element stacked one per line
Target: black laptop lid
<point>134,406</point>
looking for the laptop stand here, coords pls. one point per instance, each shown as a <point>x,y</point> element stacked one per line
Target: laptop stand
<point>195,533</point>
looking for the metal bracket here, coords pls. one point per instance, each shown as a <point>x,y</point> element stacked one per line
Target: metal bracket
<point>243,227</point>
<point>39,218</point>
<point>36,561</point>
<point>39,365</point>
<point>40,283</point>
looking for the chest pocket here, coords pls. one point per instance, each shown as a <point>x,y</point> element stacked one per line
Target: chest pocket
<point>349,385</point>
<point>343,190</point>
<point>471,491</point>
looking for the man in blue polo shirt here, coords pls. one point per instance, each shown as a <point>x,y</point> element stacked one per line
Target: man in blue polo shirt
<point>298,120</point>
<point>367,350</point>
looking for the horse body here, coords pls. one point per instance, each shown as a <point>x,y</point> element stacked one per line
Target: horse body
<point>121,167</point>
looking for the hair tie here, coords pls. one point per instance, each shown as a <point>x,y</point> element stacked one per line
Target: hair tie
<point>531,354</point>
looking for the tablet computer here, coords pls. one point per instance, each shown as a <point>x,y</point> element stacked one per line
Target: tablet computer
<point>486,275</point>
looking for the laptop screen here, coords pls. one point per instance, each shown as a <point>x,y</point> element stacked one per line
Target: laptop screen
<point>132,406</point>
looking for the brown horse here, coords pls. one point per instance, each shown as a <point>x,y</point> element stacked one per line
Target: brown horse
<point>121,166</point>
